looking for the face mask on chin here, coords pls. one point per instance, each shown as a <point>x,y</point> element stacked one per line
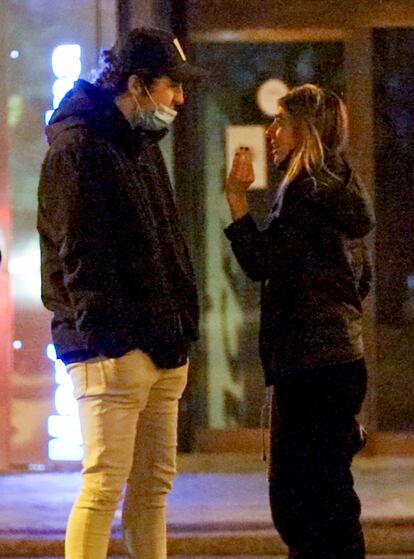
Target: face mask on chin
<point>157,120</point>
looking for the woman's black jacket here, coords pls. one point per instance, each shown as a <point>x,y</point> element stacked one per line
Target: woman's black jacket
<point>314,269</point>
<point>115,269</point>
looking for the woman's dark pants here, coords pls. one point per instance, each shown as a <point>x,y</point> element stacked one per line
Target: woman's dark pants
<point>314,435</point>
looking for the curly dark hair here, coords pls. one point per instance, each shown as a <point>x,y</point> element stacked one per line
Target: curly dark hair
<point>113,78</point>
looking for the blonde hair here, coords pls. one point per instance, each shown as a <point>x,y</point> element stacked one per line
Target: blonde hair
<point>320,120</point>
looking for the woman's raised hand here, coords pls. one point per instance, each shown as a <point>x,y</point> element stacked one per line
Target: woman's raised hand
<point>242,174</point>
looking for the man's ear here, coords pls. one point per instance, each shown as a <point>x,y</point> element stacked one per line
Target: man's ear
<point>134,85</point>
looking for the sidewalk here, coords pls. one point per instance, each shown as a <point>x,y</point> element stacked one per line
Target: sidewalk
<point>212,509</point>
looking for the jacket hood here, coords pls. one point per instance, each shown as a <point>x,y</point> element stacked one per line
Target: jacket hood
<point>84,104</point>
<point>341,197</point>
<point>90,106</point>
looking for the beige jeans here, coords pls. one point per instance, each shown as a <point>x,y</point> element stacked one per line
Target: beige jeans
<point>128,412</point>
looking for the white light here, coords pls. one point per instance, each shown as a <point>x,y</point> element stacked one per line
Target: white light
<point>48,115</point>
<point>66,61</point>
<point>24,266</point>
<point>61,427</point>
<point>51,352</point>
<point>64,428</point>
<point>60,450</point>
<point>14,54</point>
<point>60,87</point>
<point>27,264</point>
<point>65,404</point>
<point>61,375</point>
<point>17,344</point>
<point>268,94</point>
<point>66,65</point>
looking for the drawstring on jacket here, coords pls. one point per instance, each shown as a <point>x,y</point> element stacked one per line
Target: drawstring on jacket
<point>265,420</point>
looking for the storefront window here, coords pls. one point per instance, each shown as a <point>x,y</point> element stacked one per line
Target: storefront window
<point>243,75</point>
<point>394,178</point>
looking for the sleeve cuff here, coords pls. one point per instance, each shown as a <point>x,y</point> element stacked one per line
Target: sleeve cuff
<point>245,224</point>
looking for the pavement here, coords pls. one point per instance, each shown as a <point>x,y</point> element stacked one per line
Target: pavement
<point>218,507</point>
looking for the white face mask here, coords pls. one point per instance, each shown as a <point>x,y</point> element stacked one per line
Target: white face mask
<point>165,114</point>
<point>159,119</point>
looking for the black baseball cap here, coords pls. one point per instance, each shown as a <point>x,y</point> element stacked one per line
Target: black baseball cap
<point>155,50</point>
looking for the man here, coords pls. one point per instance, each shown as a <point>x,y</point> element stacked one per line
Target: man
<point>117,276</point>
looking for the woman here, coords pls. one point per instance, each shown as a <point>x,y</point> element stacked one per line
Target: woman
<point>314,270</point>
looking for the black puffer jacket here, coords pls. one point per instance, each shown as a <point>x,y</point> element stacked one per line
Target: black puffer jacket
<point>115,269</point>
<point>314,269</point>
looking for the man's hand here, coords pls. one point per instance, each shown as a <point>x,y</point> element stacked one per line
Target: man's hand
<point>242,174</point>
